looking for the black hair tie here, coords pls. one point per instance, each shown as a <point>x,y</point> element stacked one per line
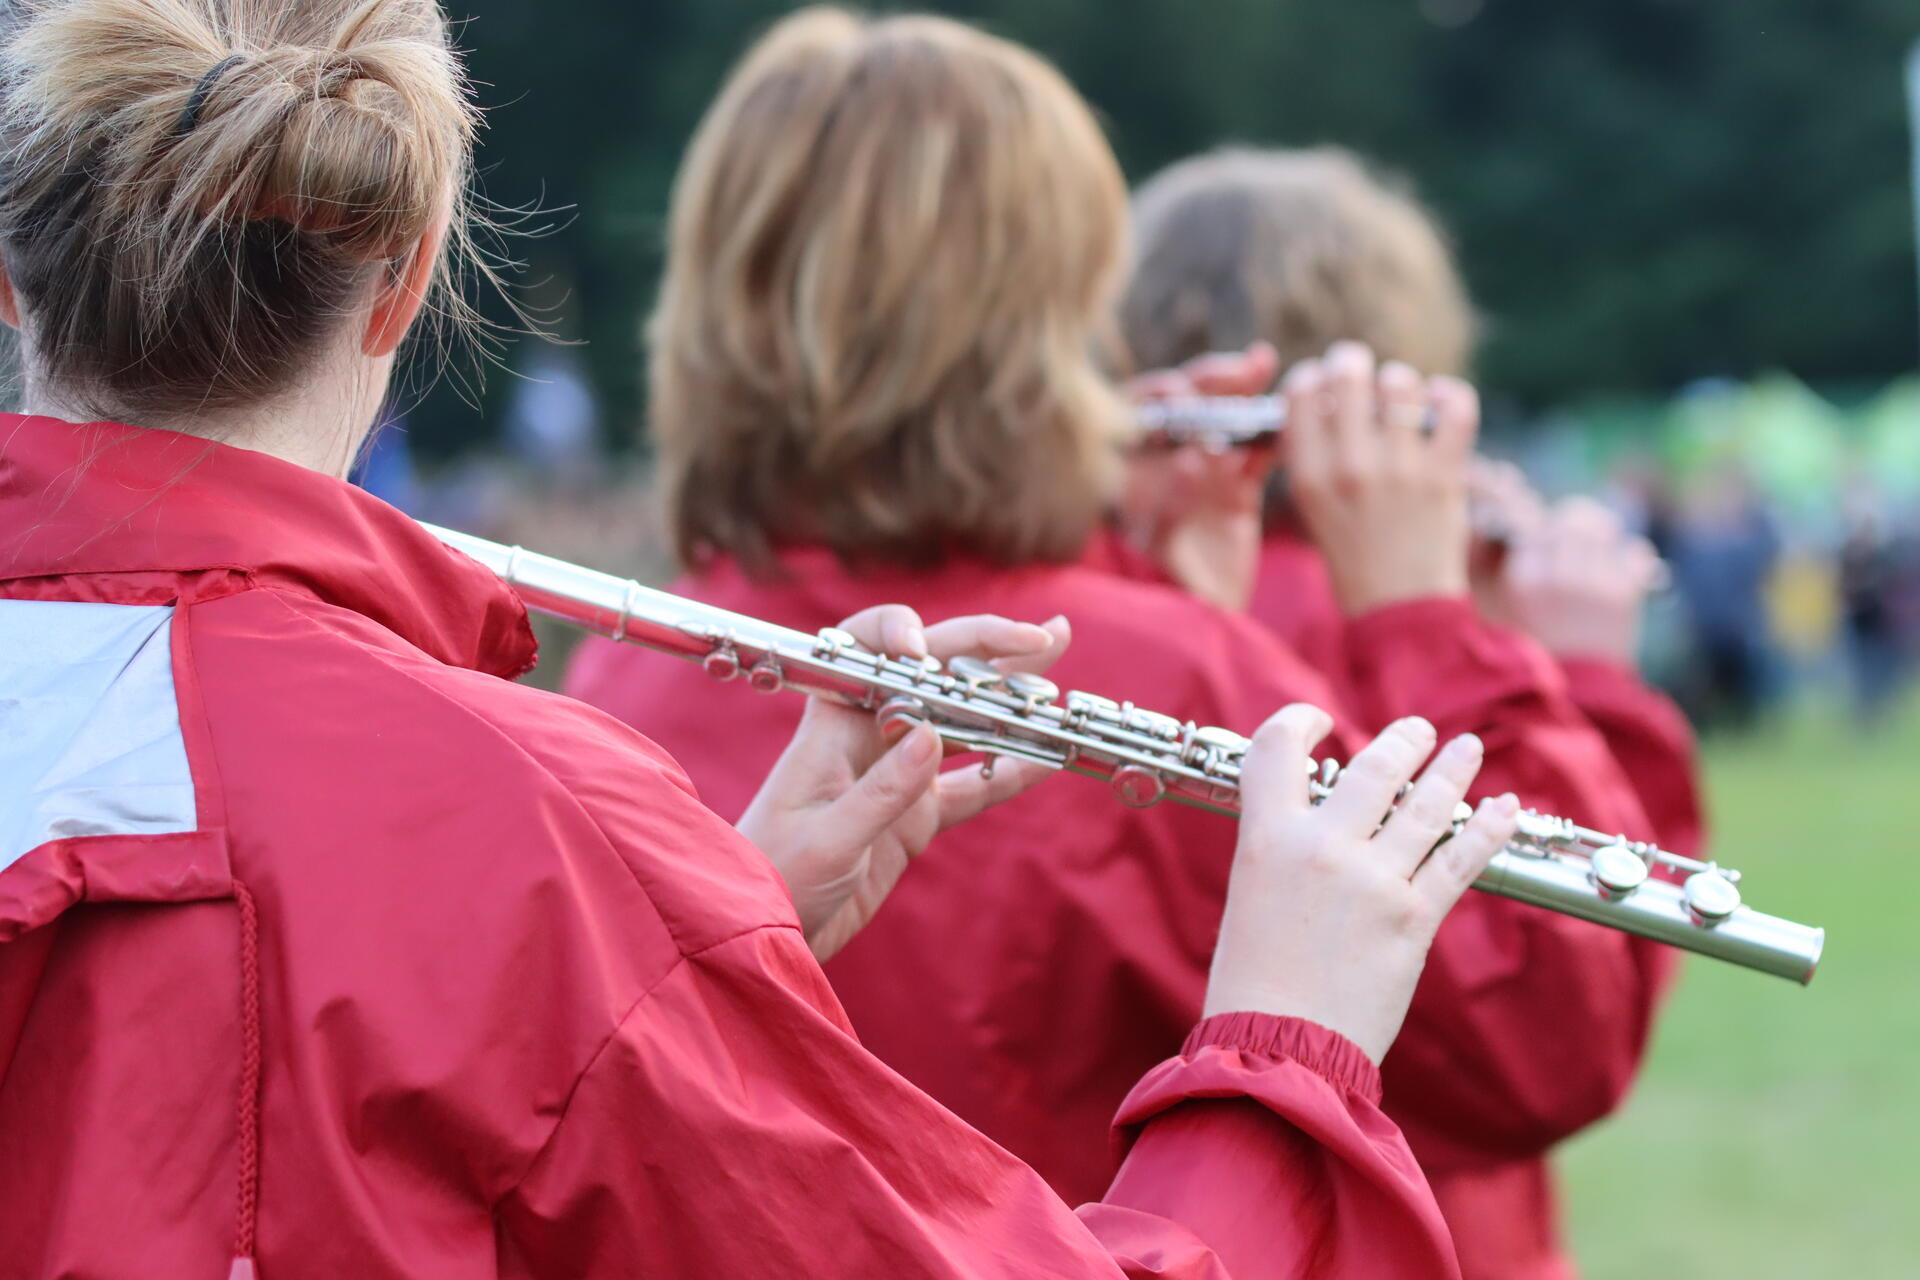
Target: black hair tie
<point>190,118</point>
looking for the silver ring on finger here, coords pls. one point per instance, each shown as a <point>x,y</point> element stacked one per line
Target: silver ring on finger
<point>1408,417</point>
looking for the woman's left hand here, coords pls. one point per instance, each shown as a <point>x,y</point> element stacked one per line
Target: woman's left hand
<point>842,814</point>
<point>1197,512</point>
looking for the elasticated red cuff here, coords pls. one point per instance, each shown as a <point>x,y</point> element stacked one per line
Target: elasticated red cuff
<point>1321,1050</point>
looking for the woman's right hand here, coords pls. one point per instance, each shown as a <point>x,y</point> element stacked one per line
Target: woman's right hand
<point>1376,465</point>
<point>842,814</point>
<point>1329,912</point>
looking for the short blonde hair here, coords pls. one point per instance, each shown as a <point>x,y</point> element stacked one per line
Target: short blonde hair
<point>892,245</point>
<point>1297,248</point>
<point>194,193</point>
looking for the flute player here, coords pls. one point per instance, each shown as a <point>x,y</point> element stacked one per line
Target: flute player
<point>1299,251</point>
<point>894,247</point>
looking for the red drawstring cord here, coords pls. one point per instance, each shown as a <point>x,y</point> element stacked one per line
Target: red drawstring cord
<point>245,1223</point>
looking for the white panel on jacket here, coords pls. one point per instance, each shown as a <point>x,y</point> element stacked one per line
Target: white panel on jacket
<point>89,725</point>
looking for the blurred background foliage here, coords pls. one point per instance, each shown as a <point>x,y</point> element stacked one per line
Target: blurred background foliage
<point>1644,191</point>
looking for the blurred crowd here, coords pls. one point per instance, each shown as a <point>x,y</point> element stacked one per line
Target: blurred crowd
<point>1791,528</point>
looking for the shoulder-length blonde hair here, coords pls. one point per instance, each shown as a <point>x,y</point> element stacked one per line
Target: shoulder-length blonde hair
<point>1299,248</point>
<point>893,245</point>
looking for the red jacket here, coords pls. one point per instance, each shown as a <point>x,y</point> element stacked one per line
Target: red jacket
<point>1035,961</point>
<point>325,946</point>
<point>1647,734</point>
<point>1653,744</point>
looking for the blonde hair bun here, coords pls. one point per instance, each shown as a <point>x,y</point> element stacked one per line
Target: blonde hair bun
<point>194,189</point>
<point>349,143</point>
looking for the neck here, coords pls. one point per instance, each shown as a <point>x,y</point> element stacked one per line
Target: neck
<point>320,426</point>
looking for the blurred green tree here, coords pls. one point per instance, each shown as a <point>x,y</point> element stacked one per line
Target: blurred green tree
<point>1644,191</point>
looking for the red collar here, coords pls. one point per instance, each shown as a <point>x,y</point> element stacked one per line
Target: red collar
<point>102,498</point>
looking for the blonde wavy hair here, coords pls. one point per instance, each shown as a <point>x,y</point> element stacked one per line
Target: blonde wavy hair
<point>894,245</point>
<point>1297,248</point>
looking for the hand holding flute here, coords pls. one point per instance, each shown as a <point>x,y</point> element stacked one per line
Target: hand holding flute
<point>1197,512</point>
<point>1309,879</point>
<point>1520,552</point>
<point>1573,578</point>
<point>846,808</point>
<point>1374,459</point>
<point>1376,466</point>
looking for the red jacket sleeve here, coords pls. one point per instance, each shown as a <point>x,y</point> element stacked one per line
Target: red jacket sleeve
<point>1527,1025</point>
<point>732,1126</point>
<point>1653,743</point>
<point>1289,1167</point>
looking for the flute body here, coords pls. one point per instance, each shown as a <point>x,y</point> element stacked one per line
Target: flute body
<point>1218,423</point>
<point>1145,756</point>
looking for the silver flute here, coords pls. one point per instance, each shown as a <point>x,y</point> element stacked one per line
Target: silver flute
<point>1218,423</point>
<point>1145,756</point>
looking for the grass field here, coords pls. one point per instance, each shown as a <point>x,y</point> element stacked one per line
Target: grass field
<point>1777,1130</point>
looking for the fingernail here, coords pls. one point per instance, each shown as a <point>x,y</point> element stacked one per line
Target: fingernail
<point>913,641</point>
<point>896,637</point>
<point>1419,727</point>
<point>1036,637</point>
<point>1510,803</point>
<point>921,745</point>
<point>1471,744</point>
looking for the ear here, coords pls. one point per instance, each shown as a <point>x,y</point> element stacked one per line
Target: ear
<point>9,300</point>
<point>402,294</point>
